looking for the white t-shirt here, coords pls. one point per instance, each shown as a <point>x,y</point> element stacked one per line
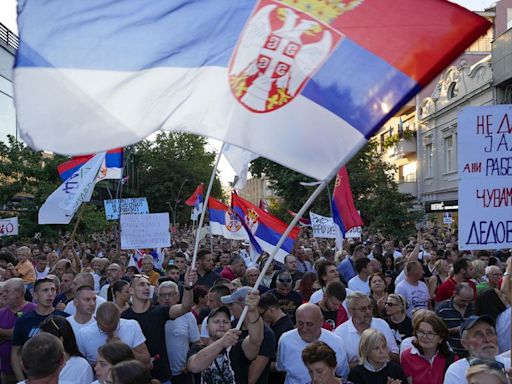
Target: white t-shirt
<point>77,326</point>
<point>104,291</point>
<point>400,278</point>
<point>76,370</point>
<point>456,373</point>
<point>42,275</point>
<point>503,330</point>
<point>71,309</point>
<point>289,356</point>
<point>97,279</point>
<point>348,332</point>
<point>359,285</point>
<point>90,338</point>
<point>416,296</point>
<point>179,334</point>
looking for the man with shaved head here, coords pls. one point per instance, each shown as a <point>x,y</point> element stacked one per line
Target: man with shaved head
<point>80,280</point>
<point>309,329</point>
<point>109,327</point>
<point>114,273</point>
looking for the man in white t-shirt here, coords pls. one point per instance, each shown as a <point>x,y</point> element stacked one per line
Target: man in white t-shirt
<point>80,280</point>
<point>85,304</point>
<point>360,310</point>
<point>414,290</point>
<point>478,336</point>
<point>359,283</point>
<point>110,327</point>
<point>292,343</point>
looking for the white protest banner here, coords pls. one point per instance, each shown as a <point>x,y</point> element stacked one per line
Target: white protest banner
<point>325,227</point>
<point>145,231</point>
<point>485,177</point>
<point>133,206</point>
<point>9,226</point>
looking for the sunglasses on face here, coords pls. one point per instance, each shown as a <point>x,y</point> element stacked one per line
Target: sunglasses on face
<point>285,281</point>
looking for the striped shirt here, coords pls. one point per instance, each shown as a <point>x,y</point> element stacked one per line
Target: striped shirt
<point>453,318</point>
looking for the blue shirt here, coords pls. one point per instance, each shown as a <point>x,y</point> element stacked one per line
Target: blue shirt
<point>346,270</point>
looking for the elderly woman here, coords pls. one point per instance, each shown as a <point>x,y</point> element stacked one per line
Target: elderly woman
<point>320,360</point>
<point>426,360</point>
<point>375,366</point>
<point>397,318</point>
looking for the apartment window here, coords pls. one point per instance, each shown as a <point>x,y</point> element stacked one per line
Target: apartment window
<point>429,159</point>
<point>449,154</point>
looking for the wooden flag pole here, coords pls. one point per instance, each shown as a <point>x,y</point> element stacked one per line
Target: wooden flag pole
<point>78,219</point>
<point>205,204</point>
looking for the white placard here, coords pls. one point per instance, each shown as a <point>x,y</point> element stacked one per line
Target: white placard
<point>447,218</point>
<point>132,206</point>
<point>9,227</point>
<point>324,227</point>
<point>145,231</point>
<point>485,177</point>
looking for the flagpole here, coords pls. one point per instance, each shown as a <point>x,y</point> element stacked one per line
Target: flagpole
<point>292,224</point>
<point>205,204</point>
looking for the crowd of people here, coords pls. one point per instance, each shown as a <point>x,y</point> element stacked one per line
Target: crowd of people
<point>384,311</point>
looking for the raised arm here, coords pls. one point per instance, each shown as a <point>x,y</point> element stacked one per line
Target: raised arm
<point>252,343</point>
<point>187,302</point>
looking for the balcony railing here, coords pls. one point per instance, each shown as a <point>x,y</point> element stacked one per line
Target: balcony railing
<point>9,38</point>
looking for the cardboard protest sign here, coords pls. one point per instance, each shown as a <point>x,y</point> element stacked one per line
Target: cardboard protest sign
<point>485,177</point>
<point>9,226</point>
<point>145,231</point>
<point>133,206</point>
<point>325,227</point>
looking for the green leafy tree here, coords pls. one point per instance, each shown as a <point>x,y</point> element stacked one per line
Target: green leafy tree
<point>170,168</point>
<point>375,192</point>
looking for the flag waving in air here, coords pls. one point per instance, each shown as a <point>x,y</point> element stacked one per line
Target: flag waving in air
<point>113,165</point>
<point>225,222</point>
<point>344,211</point>
<point>196,201</point>
<point>279,78</point>
<point>266,228</point>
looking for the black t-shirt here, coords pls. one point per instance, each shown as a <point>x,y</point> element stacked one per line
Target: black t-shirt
<point>360,375</point>
<point>284,324</point>
<point>28,326</point>
<point>330,318</point>
<point>208,279</point>
<point>220,370</point>
<point>241,364</point>
<point>402,330</point>
<point>288,303</point>
<point>152,323</point>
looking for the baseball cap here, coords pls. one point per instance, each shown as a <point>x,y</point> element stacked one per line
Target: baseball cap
<point>222,309</point>
<point>472,320</point>
<point>238,296</point>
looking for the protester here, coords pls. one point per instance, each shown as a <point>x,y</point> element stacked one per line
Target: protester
<point>235,269</point>
<point>320,361</point>
<point>427,360</point>
<point>307,286</point>
<point>346,268</point>
<point>292,343</point>
<point>397,318</point>
<point>205,266</point>
<point>114,273</point>
<point>412,289</point>
<point>76,369</point>
<point>131,372</point>
<point>119,293</point>
<point>486,372</point>
<point>374,362</point>
<point>462,272</point>
<point>333,311</point>
<point>359,283</point>
<point>109,355</point>
<point>327,272</point>
<point>494,304</point>
<point>378,293</point>
<point>85,304</point>
<point>439,276</point>
<point>289,300</point>
<point>80,280</point>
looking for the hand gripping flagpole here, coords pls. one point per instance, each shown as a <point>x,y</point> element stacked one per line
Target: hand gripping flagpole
<point>205,204</point>
<point>292,224</point>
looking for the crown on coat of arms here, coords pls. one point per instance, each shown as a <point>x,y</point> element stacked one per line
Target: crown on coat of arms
<point>252,215</point>
<point>324,10</point>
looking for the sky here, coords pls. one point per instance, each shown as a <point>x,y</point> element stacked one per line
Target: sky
<point>8,18</point>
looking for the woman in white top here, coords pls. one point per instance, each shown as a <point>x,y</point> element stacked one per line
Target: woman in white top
<point>109,355</point>
<point>76,368</point>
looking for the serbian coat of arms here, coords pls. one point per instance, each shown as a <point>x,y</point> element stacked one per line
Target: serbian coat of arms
<point>282,45</point>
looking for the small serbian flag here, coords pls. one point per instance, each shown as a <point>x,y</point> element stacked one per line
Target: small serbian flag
<point>344,211</point>
<point>113,165</point>
<point>266,228</point>
<point>196,201</point>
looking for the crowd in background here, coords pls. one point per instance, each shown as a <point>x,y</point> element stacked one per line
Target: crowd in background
<point>380,310</point>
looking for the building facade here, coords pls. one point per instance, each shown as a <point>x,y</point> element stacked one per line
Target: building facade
<point>8,46</point>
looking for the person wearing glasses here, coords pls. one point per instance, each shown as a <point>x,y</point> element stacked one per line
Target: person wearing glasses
<point>400,323</point>
<point>289,300</point>
<point>180,333</point>
<point>454,312</point>
<point>375,366</point>
<point>494,303</point>
<point>28,325</point>
<point>478,336</point>
<point>76,368</point>
<point>428,358</point>
<point>361,318</point>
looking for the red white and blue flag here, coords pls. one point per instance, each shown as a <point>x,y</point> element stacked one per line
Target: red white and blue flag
<point>304,83</point>
<point>344,211</point>
<point>225,222</point>
<point>196,201</point>
<point>112,167</point>
<point>266,228</point>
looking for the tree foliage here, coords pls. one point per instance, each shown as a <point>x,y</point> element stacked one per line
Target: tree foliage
<point>170,168</point>
<point>27,178</point>
<point>375,192</point>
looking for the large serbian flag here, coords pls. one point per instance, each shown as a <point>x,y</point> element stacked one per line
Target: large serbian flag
<point>225,222</point>
<point>266,228</point>
<point>280,78</point>
<point>113,165</point>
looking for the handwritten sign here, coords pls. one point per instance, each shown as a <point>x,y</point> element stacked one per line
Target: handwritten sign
<point>485,177</point>
<point>128,207</point>
<point>9,227</point>
<point>145,231</point>
<point>324,227</point>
